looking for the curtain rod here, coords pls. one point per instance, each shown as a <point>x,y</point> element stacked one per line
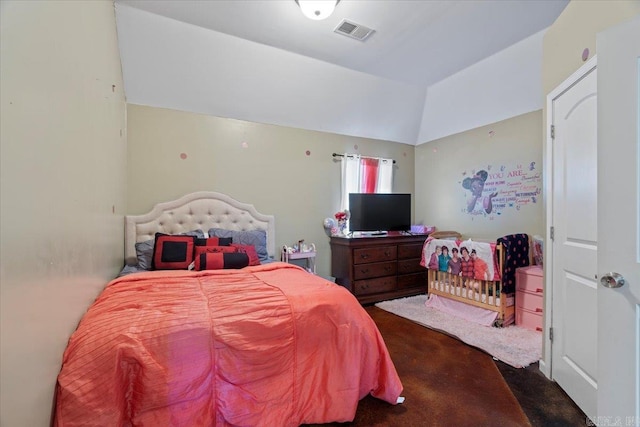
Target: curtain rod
<point>351,155</point>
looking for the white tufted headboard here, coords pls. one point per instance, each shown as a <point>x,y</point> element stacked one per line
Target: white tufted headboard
<point>200,210</point>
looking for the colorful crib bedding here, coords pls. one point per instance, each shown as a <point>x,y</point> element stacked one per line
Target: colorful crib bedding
<point>476,260</point>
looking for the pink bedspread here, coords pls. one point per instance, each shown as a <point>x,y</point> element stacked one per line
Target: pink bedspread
<point>269,345</point>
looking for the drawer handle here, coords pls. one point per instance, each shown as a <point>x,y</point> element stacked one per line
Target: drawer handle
<point>387,254</point>
<point>539,290</point>
<point>538,328</point>
<point>365,271</point>
<point>364,256</point>
<point>387,269</point>
<point>538,310</point>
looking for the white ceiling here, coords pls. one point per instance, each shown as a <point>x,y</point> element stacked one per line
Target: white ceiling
<point>415,42</point>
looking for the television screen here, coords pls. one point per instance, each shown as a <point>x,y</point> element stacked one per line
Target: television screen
<point>379,212</point>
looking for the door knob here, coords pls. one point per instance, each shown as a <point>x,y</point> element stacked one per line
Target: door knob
<point>612,280</point>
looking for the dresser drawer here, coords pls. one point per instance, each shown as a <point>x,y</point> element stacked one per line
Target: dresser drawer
<point>407,266</point>
<point>414,280</point>
<point>530,279</point>
<point>372,286</point>
<point>410,251</point>
<point>529,301</point>
<point>376,254</point>
<point>378,269</point>
<point>529,320</point>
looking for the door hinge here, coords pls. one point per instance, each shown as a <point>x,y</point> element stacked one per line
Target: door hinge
<point>551,334</point>
<point>552,233</point>
<point>553,131</point>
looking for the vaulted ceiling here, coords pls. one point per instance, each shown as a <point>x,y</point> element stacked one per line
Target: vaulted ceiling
<point>415,42</point>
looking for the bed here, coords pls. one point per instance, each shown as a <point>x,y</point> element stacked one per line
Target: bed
<point>475,293</point>
<point>262,345</point>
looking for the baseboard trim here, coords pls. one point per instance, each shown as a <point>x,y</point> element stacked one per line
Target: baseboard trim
<point>544,368</point>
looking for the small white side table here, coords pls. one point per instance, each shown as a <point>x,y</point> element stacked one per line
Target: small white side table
<point>310,258</point>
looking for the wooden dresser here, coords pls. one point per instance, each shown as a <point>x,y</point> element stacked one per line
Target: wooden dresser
<point>379,268</point>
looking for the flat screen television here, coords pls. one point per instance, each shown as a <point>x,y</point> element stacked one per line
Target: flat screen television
<point>371,212</point>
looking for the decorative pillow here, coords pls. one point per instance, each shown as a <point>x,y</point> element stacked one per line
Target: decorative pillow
<point>172,252</point>
<point>257,238</point>
<point>215,249</point>
<point>214,241</point>
<point>144,250</point>
<point>219,260</point>
<point>250,250</point>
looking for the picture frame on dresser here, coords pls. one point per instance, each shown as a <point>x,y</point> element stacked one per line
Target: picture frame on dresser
<point>378,268</point>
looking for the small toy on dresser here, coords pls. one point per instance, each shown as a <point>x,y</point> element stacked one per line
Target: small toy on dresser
<point>422,229</point>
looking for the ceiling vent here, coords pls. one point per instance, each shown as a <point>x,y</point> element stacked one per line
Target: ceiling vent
<point>353,30</point>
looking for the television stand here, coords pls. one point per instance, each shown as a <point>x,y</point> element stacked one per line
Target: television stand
<point>377,268</point>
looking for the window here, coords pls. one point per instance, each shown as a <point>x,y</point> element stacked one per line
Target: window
<point>365,175</point>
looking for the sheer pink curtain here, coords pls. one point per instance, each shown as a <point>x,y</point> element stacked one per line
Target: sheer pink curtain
<point>369,175</point>
<point>365,175</point>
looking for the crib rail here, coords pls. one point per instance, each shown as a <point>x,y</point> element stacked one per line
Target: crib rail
<point>481,293</point>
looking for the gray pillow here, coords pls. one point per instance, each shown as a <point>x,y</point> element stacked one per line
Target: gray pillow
<point>144,250</point>
<point>257,238</point>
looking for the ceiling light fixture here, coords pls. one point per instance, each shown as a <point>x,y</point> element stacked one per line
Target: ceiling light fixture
<point>317,9</point>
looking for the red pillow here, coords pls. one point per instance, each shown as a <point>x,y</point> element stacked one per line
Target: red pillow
<point>172,252</point>
<point>219,260</point>
<point>251,252</point>
<point>214,249</point>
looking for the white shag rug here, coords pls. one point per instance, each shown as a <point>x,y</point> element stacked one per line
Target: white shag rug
<point>514,345</point>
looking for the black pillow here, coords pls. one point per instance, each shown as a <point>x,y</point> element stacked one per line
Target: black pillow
<point>220,260</point>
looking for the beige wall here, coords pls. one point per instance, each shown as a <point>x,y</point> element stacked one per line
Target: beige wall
<point>440,198</point>
<point>62,187</point>
<point>574,31</point>
<point>265,165</point>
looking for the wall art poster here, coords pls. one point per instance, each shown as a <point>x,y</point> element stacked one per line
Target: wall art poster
<point>491,191</point>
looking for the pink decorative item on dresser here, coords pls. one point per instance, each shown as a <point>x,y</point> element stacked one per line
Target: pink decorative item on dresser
<point>529,294</point>
<point>422,229</point>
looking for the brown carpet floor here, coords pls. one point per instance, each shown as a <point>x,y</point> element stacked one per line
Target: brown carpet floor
<point>448,383</point>
<point>544,402</point>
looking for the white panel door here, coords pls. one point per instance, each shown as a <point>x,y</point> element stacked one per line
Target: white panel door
<point>618,224</point>
<point>575,246</point>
